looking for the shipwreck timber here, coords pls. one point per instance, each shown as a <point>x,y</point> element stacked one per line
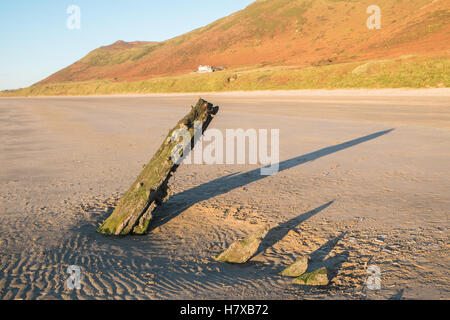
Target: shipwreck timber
<point>134,209</point>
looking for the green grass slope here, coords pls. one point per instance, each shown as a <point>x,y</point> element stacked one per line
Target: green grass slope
<point>402,72</point>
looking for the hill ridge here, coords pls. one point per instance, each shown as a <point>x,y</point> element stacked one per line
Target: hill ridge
<point>277,33</point>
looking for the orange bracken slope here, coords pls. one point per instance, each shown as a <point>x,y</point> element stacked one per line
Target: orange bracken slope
<point>278,32</point>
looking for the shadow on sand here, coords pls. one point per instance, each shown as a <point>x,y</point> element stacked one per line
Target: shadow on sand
<point>333,264</point>
<point>187,198</point>
<point>316,258</point>
<point>280,231</point>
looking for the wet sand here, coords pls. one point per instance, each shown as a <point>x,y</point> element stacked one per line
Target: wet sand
<point>351,193</point>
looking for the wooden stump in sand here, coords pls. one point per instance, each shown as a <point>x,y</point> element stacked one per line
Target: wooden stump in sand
<point>317,277</point>
<point>242,250</point>
<point>296,269</point>
<point>134,210</point>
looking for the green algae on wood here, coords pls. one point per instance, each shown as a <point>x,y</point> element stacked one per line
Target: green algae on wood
<point>317,277</point>
<point>242,250</point>
<point>134,210</point>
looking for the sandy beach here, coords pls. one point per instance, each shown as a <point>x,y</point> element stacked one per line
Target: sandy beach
<point>364,180</point>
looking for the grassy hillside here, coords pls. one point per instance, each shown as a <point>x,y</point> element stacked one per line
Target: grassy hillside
<point>282,41</point>
<point>405,71</point>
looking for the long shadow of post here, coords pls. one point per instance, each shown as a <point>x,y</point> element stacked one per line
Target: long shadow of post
<point>319,254</point>
<point>227,183</point>
<point>279,232</point>
<point>333,264</point>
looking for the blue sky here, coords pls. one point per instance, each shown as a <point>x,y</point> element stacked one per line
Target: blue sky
<point>35,41</point>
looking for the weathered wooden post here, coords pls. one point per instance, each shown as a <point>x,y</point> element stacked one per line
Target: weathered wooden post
<point>134,210</point>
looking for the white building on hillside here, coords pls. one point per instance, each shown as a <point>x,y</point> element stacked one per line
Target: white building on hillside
<point>205,69</point>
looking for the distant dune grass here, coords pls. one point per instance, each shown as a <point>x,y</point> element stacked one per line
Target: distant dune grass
<point>403,72</point>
